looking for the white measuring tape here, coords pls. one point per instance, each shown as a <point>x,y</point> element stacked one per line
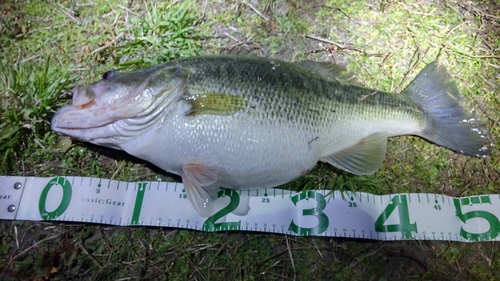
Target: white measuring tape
<point>314,212</point>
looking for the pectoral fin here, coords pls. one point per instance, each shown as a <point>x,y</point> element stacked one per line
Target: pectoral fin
<point>363,158</point>
<point>197,180</point>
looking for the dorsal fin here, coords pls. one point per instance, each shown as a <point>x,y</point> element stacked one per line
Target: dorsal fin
<point>332,70</point>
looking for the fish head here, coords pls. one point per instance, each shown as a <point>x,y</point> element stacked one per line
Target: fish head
<point>120,106</point>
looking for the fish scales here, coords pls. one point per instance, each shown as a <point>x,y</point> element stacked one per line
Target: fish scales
<point>247,122</point>
<point>284,90</point>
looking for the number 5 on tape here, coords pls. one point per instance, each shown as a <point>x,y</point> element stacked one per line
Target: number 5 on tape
<point>493,221</point>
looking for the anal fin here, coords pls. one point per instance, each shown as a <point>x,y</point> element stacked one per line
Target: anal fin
<point>363,158</point>
<point>197,180</point>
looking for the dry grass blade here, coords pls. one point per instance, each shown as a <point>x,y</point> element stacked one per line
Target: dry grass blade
<point>257,11</point>
<point>325,41</point>
<point>289,248</point>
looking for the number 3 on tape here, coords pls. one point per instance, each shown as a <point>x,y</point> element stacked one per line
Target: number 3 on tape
<point>315,212</point>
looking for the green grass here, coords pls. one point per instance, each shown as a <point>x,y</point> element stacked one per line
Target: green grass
<point>30,97</point>
<point>48,47</point>
<point>168,30</point>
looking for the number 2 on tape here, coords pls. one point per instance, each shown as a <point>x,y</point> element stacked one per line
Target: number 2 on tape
<point>210,224</point>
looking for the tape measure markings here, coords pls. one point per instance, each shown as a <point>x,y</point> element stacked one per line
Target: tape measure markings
<point>313,212</point>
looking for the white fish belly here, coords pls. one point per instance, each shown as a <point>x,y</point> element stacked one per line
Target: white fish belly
<point>250,152</point>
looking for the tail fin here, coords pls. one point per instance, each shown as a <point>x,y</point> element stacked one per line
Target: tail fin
<point>448,122</point>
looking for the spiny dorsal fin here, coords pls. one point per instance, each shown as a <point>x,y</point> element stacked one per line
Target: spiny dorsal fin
<point>332,70</point>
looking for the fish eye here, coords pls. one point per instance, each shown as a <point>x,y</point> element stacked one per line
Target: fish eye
<point>108,74</point>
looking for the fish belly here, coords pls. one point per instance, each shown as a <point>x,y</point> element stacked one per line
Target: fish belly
<point>251,153</point>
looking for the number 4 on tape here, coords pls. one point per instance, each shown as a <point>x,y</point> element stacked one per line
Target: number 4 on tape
<point>405,226</point>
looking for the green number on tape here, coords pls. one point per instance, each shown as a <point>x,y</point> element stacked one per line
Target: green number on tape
<point>317,212</point>
<point>494,229</point>
<point>136,214</point>
<point>210,224</point>
<point>65,200</point>
<point>405,227</point>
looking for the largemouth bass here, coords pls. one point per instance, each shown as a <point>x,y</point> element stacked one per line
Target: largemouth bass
<point>247,122</point>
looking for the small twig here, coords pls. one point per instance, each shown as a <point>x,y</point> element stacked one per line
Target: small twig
<point>116,19</point>
<point>416,55</point>
<point>475,56</point>
<point>497,122</point>
<point>34,246</point>
<point>197,269</point>
<point>325,41</point>
<point>107,45</point>
<point>128,10</point>
<point>458,267</point>
<point>16,236</point>
<point>85,4</point>
<point>118,170</point>
<point>317,249</point>
<point>493,65</point>
<point>18,52</point>
<point>371,253</point>
<point>337,48</point>
<point>37,141</point>
<point>280,277</point>
<point>90,256</point>
<point>492,251</point>
<point>443,254</point>
<point>237,42</point>
<point>290,253</point>
<point>79,69</point>
<point>491,84</point>
<point>29,58</point>
<point>257,11</point>
<point>231,37</point>
<point>344,13</point>
<point>68,12</point>
<point>221,248</point>
<point>455,28</point>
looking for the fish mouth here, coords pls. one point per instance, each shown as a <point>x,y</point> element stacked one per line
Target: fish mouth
<point>115,112</point>
<point>85,118</point>
<point>85,112</point>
